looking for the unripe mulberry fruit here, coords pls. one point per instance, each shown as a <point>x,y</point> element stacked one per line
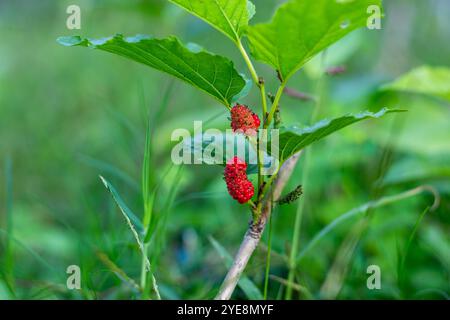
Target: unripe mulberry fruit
<point>244,119</point>
<point>238,185</point>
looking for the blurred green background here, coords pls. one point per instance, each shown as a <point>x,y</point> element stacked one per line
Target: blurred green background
<point>69,115</point>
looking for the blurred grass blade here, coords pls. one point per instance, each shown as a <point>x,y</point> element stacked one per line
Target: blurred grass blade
<point>147,182</point>
<point>128,215</point>
<point>155,225</point>
<point>133,221</point>
<point>32,252</point>
<point>268,256</point>
<point>438,292</point>
<point>149,212</point>
<point>337,273</point>
<point>106,167</point>
<point>161,228</point>
<point>360,210</point>
<point>437,238</point>
<point>201,195</point>
<point>294,286</point>
<point>9,254</point>
<point>248,286</point>
<point>126,212</point>
<point>163,106</point>
<point>148,200</point>
<point>116,270</point>
<point>411,238</point>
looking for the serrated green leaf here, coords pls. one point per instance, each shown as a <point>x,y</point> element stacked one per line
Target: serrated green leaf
<point>433,81</point>
<point>211,73</point>
<point>228,16</point>
<point>293,139</point>
<point>302,28</point>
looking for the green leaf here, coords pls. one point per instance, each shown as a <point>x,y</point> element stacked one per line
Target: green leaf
<point>293,139</point>
<point>218,149</point>
<point>433,81</point>
<point>133,221</point>
<point>404,254</point>
<point>302,28</point>
<point>228,16</point>
<point>247,285</point>
<point>211,73</point>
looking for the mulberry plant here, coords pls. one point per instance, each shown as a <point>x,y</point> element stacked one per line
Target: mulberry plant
<point>244,120</point>
<point>238,185</point>
<point>298,31</point>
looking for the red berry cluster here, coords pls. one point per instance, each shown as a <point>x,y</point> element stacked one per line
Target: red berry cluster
<point>239,187</point>
<point>244,119</point>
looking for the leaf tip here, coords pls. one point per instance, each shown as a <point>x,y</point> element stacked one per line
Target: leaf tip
<point>69,41</point>
<point>103,181</point>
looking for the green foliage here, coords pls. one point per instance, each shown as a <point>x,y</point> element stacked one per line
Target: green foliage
<point>228,16</point>
<point>206,150</point>
<point>360,210</point>
<point>301,29</point>
<point>133,221</point>
<point>96,117</point>
<point>293,139</point>
<point>213,74</point>
<point>433,81</point>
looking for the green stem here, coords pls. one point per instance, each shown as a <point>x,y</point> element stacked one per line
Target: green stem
<point>251,203</point>
<point>269,249</point>
<point>270,181</point>
<point>262,88</point>
<point>259,156</point>
<point>260,83</point>
<point>296,235</point>
<point>249,63</point>
<point>275,103</point>
<point>144,271</point>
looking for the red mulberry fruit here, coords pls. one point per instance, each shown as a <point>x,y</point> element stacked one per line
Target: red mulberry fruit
<point>238,185</point>
<point>244,119</point>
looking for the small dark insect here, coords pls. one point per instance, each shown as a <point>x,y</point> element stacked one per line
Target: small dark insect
<point>291,196</point>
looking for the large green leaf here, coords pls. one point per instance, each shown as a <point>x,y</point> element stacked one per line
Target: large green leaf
<point>302,28</point>
<point>293,139</point>
<point>228,16</point>
<point>211,73</point>
<point>434,81</point>
<point>218,149</point>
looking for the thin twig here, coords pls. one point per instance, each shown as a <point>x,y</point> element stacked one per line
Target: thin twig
<point>253,234</point>
<point>298,95</point>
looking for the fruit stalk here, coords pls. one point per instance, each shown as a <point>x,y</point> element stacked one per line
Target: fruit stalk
<point>253,234</point>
